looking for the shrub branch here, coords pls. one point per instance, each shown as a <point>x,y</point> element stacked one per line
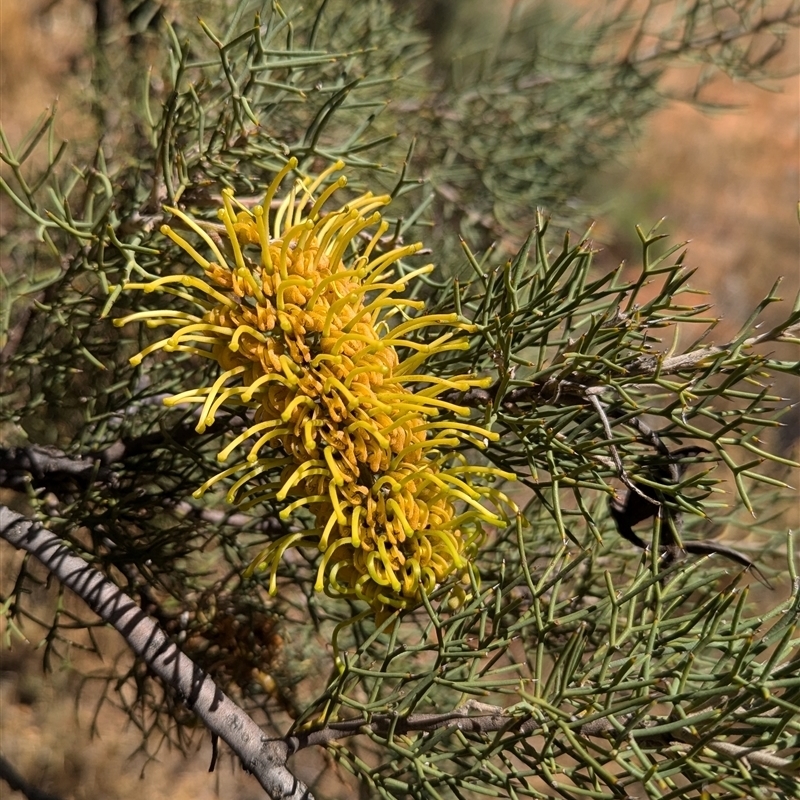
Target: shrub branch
<point>263,757</point>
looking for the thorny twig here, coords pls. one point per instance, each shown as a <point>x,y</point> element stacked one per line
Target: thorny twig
<point>647,503</point>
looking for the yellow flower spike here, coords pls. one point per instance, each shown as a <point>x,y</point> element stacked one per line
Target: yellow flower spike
<point>450,493</point>
<point>411,363</point>
<point>490,471</point>
<point>307,341</point>
<point>422,548</point>
<point>228,396</point>
<point>346,235</point>
<point>387,480</point>
<point>382,228</point>
<point>290,370</point>
<point>251,431</point>
<point>246,277</point>
<point>337,166</point>
<point>227,216</point>
<point>314,240</point>
<point>381,302</point>
<point>428,580</point>
<point>336,473</point>
<point>163,317</point>
<point>268,554</point>
<point>368,369</point>
<point>377,569</point>
<point>303,501</point>
<point>437,346</point>
<point>181,242</point>
<point>262,440</point>
<point>206,418</point>
<point>190,282</point>
<point>410,572</point>
<point>326,282</point>
<point>298,401</point>
<point>424,322</point>
<point>245,330</point>
<point>368,202</point>
<point>278,549</point>
<point>377,267</point>
<point>263,239</point>
<point>445,383</point>
<point>261,466</point>
<point>400,515</point>
<point>336,308</point>
<point>289,238</point>
<point>201,303</point>
<point>199,492</point>
<point>287,283</point>
<point>352,401</point>
<point>278,377</point>
<point>411,414</point>
<point>329,526</point>
<point>321,358</point>
<point>328,231</point>
<point>308,435</point>
<point>442,479</point>
<point>360,587</point>
<point>426,405</point>
<point>386,561</point>
<point>134,361</point>
<point>260,493</point>
<point>379,438</point>
<point>189,396</point>
<point>190,332</point>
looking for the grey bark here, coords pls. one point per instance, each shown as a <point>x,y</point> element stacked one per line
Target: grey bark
<point>265,758</point>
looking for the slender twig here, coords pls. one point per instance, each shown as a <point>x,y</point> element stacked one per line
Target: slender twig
<point>486,719</point>
<point>477,717</point>
<point>596,403</point>
<point>650,365</point>
<point>19,784</point>
<point>44,465</point>
<point>264,757</point>
<point>759,756</point>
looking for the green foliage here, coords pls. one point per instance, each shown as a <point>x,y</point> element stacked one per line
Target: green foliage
<point>611,686</point>
<point>621,673</point>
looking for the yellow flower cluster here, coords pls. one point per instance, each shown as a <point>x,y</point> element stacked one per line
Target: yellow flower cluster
<point>298,309</point>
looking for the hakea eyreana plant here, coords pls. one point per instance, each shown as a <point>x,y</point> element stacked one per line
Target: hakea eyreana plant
<point>300,320</point>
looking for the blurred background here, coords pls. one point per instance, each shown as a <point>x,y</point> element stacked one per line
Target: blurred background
<point>728,179</point>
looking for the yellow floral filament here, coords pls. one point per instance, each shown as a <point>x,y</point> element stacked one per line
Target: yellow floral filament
<point>192,225</point>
